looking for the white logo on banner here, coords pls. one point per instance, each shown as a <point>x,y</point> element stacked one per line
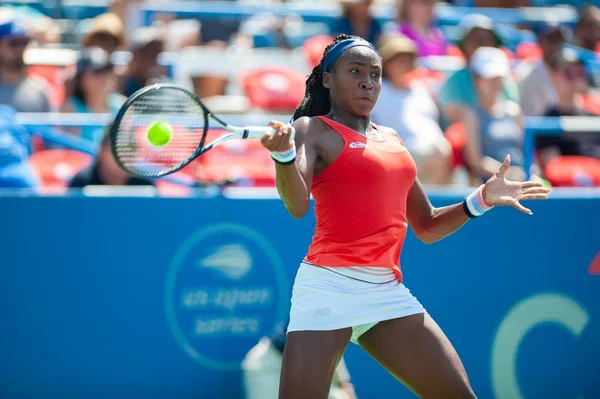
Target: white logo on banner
<point>233,261</point>
<point>524,317</point>
<point>226,287</point>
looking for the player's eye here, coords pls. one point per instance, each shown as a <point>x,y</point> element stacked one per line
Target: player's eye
<point>355,71</point>
<point>376,75</point>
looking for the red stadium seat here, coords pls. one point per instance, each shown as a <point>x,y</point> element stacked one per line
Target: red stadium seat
<point>457,136</point>
<point>55,76</point>
<point>315,47</point>
<point>529,51</point>
<point>244,161</point>
<point>275,88</point>
<point>56,168</point>
<point>573,171</point>
<point>590,103</point>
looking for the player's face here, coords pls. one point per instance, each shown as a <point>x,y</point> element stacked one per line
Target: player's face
<point>355,81</point>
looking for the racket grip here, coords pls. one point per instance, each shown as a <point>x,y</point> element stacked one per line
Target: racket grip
<point>257,132</point>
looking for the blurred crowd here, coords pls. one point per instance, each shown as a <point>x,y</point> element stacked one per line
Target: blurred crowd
<point>460,98</point>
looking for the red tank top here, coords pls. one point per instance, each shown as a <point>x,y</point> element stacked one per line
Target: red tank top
<point>360,203</point>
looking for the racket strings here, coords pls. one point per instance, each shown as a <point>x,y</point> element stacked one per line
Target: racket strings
<point>174,107</point>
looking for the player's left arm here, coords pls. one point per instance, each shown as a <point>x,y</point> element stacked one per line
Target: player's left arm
<point>432,224</point>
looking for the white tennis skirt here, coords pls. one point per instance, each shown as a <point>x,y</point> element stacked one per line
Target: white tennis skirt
<point>325,299</point>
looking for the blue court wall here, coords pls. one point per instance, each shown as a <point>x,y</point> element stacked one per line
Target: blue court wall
<point>161,297</point>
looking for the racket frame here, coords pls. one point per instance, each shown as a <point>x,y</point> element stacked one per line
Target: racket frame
<point>236,132</point>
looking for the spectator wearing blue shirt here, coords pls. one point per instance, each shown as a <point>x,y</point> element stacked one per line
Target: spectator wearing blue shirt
<point>15,148</point>
<point>458,92</point>
<point>93,89</point>
<point>494,125</point>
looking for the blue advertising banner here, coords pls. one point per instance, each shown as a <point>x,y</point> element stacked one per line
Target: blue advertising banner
<point>162,297</point>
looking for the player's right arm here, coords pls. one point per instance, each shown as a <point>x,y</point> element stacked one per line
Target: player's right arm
<point>294,181</point>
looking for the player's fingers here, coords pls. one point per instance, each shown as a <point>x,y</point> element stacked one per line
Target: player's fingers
<point>276,138</point>
<point>535,190</point>
<point>531,183</point>
<point>275,124</point>
<point>265,139</point>
<point>505,166</point>
<point>291,132</point>
<point>517,205</point>
<point>528,197</point>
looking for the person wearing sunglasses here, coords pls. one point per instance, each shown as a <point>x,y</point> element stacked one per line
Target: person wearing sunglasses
<point>17,89</point>
<point>93,89</point>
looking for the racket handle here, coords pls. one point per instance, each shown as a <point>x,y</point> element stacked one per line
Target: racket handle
<point>257,132</point>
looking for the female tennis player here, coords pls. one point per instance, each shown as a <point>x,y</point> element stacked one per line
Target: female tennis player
<point>349,286</point>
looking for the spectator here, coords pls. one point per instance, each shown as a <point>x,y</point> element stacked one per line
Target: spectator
<point>105,171</point>
<point>182,33</point>
<point>24,93</point>
<point>406,106</point>
<point>536,89</point>
<point>107,32</point>
<point>41,28</point>
<point>570,79</point>
<point>15,148</point>
<point>93,90</point>
<point>587,31</point>
<point>357,20</point>
<point>144,68</point>
<point>415,20</point>
<point>458,92</point>
<point>261,369</point>
<point>494,126</point>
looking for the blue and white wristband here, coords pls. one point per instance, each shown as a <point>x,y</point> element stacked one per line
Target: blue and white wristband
<point>285,158</point>
<point>474,205</point>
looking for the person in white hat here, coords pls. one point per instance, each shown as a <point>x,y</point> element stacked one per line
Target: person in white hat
<point>494,126</point>
<point>458,91</point>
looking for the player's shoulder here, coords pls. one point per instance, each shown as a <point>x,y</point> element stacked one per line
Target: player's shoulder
<point>308,126</point>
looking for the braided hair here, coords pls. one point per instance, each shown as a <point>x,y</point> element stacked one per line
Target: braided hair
<point>316,98</point>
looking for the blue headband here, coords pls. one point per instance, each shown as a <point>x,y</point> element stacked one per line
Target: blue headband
<point>338,49</point>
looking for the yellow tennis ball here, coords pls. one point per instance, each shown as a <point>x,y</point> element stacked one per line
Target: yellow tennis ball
<point>159,133</point>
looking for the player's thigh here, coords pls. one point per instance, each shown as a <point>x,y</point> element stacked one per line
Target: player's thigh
<point>416,351</point>
<point>309,361</point>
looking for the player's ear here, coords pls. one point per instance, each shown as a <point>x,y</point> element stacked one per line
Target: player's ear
<point>326,80</point>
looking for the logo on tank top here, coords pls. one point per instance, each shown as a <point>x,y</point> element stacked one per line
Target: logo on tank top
<point>357,144</point>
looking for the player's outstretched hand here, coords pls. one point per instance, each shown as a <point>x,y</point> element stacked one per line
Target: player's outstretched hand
<point>280,139</point>
<point>498,191</point>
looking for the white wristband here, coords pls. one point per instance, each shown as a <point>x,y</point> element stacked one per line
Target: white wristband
<point>475,204</point>
<point>285,158</point>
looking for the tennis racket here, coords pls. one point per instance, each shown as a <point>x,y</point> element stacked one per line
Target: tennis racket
<point>188,118</point>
